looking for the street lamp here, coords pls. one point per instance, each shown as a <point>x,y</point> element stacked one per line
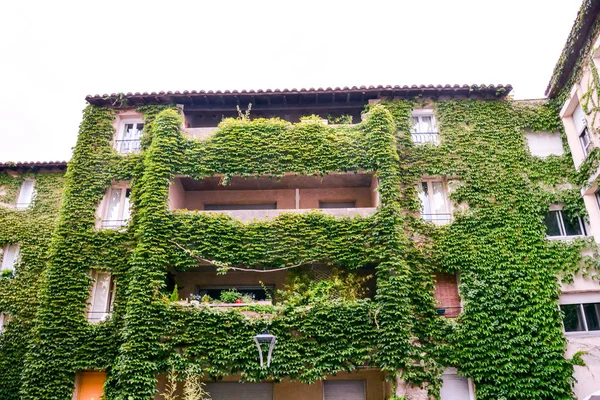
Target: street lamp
<point>266,339</point>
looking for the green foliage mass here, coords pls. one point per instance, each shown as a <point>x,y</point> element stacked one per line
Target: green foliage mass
<point>508,339</point>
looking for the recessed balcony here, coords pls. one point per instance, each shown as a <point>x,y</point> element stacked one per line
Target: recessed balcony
<point>263,198</point>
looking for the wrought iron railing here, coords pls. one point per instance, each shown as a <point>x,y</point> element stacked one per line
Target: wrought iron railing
<point>438,219</point>
<point>97,316</point>
<point>427,137</point>
<point>113,223</point>
<point>128,146</point>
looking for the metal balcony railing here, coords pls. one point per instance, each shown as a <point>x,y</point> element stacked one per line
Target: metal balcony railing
<point>128,146</point>
<point>113,223</point>
<point>438,219</point>
<point>426,137</point>
<point>448,312</point>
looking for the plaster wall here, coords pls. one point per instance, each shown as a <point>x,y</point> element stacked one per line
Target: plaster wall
<point>543,144</point>
<point>285,198</point>
<point>176,195</point>
<point>196,200</point>
<point>588,377</point>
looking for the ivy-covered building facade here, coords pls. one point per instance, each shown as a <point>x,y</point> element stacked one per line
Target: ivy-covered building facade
<point>391,242</point>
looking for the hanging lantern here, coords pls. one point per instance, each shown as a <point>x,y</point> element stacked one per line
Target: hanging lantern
<point>263,340</point>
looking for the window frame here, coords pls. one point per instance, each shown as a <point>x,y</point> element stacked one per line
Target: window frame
<point>125,199</point>
<point>420,137</point>
<point>584,322</point>
<point>446,197</point>
<point>133,144</point>
<point>561,226</point>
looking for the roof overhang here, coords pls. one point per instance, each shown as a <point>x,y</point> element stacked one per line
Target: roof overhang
<point>270,98</point>
<point>33,165</point>
<point>575,44</point>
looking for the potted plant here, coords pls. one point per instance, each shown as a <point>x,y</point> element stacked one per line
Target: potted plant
<point>230,296</point>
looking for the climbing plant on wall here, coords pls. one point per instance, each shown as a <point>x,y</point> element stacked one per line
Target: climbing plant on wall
<point>508,339</point>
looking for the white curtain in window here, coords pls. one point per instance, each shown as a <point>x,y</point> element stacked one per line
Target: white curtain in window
<point>26,193</point>
<point>127,205</point>
<point>424,197</point>
<point>11,256</point>
<point>427,124</point>
<point>101,292</point>
<point>438,198</point>
<point>114,205</point>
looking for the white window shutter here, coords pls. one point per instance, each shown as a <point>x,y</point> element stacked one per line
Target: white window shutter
<point>26,193</point>
<point>10,256</point>
<point>579,118</point>
<point>344,390</point>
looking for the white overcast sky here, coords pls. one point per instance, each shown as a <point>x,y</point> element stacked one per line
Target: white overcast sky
<point>54,53</point>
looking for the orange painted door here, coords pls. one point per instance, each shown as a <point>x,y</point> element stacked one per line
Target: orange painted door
<point>90,385</point>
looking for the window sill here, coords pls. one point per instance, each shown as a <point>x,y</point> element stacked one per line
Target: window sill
<point>566,238</point>
<point>582,334</point>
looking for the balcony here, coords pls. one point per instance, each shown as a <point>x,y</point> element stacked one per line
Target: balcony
<point>427,137</point>
<point>128,146</point>
<point>264,198</point>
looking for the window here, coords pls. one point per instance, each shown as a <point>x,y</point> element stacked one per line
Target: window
<point>26,194</point>
<point>240,391</point>
<point>344,390</point>
<point>337,204</point>
<point>117,209</point>
<point>582,317</point>
<point>3,321</point>
<point>434,202</point>
<point>423,127</point>
<point>11,256</point>
<point>128,139</point>
<point>233,207</point>
<point>580,122</point>
<point>101,296</point>
<point>558,225</point>
<point>597,194</point>
<point>456,387</point>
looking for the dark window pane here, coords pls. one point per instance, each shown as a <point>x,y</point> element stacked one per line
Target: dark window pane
<point>592,312</point>
<point>224,207</point>
<point>552,224</point>
<point>573,320</point>
<point>572,228</point>
<point>337,204</point>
